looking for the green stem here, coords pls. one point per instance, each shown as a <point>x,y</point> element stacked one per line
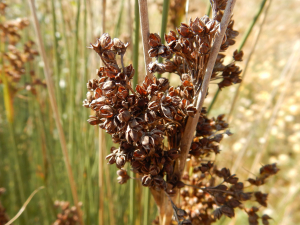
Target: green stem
<point>136,43</point>
<point>208,10</point>
<point>73,82</point>
<point>132,201</point>
<point>246,35</point>
<point>164,22</point>
<point>17,166</point>
<point>56,57</point>
<point>118,26</point>
<point>146,205</point>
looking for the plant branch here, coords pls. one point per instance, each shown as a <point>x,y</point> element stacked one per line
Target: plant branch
<point>247,34</point>
<point>192,121</point>
<point>50,88</point>
<point>145,33</point>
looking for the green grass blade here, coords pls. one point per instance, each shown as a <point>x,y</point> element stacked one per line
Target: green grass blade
<point>146,205</point>
<point>136,43</point>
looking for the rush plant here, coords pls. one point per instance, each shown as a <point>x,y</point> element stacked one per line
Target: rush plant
<point>164,132</point>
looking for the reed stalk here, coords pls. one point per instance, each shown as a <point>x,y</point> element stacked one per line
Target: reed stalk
<point>24,206</point>
<point>101,146</point>
<point>161,199</point>
<point>132,187</point>
<point>17,167</point>
<point>73,80</point>
<point>144,20</point>
<point>64,35</point>
<point>164,22</point>
<point>208,10</point>
<point>136,43</point>
<point>56,57</point>
<point>192,121</point>
<point>54,107</point>
<point>9,110</point>
<point>187,4</point>
<point>109,190</point>
<point>146,206</point>
<point>244,39</point>
<point>118,25</point>
<point>101,179</point>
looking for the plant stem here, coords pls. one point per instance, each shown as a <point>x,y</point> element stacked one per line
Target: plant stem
<point>56,57</point>
<point>164,22</point>
<point>72,109</point>
<point>118,26</point>
<point>17,166</point>
<point>145,33</point>
<point>101,186</point>
<point>146,206</point>
<point>208,10</point>
<point>246,35</point>
<point>101,146</point>
<point>51,93</point>
<point>136,43</point>
<point>9,110</point>
<point>192,121</point>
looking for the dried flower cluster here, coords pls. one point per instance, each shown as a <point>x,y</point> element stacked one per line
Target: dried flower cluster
<point>148,122</point>
<point>68,215</point>
<point>3,216</point>
<point>137,121</point>
<point>14,58</point>
<point>205,201</point>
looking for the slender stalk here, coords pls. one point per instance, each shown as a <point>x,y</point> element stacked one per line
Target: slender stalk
<point>101,143</point>
<point>85,56</point>
<point>187,10</point>
<point>64,35</point>
<point>9,110</point>
<point>208,10</point>
<point>24,206</point>
<point>145,33</point>
<point>246,35</point>
<point>132,201</point>
<point>192,121</point>
<point>129,25</point>
<point>103,15</point>
<point>73,79</point>
<point>136,43</point>
<point>146,206</point>
<point>56,57</point>
<point>132,210</point>
<point>120,14</point>
<point>164,22</point>
<point>51,93</point>
<point>101,179</point>
<point>161,199</point>
<point>108,185</point>
<point>17,164</point>
<point>248,60</point>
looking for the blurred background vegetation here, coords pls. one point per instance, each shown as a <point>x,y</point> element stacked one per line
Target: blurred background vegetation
<point>265,118</point>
